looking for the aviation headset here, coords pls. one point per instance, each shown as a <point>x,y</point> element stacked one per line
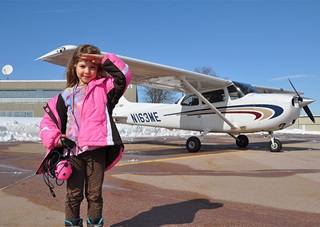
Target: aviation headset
<point>57,167</point>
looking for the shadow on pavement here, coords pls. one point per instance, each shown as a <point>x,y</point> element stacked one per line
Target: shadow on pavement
<point>170,214</point>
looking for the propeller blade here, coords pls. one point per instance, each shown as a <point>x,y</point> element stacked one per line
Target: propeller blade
<point>304,103</point>
<point>295,90</point>
<point>293,87</point>
<point>308,112</point>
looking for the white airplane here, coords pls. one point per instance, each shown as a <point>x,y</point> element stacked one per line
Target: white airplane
<point>210,104</point>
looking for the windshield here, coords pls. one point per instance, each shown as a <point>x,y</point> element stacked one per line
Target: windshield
<point>246,88</point>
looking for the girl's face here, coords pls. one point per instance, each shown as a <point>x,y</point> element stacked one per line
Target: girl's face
<point>86,71</point>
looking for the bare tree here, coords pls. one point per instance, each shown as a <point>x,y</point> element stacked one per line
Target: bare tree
<point>154,95</point>
<point>206,70</point>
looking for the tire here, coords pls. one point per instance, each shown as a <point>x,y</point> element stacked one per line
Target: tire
<point>276,147</point>
<point>193,144</point>
<point>242,141</point>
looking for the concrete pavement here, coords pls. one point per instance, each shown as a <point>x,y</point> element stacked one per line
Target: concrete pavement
<point>157,183</point>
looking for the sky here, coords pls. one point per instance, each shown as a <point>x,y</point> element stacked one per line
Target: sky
<point>259,42</point>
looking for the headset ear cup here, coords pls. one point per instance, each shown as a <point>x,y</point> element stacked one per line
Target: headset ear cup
<point>63,170</point>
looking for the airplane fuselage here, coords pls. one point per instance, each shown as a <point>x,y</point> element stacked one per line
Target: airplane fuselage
<point>251,113</point>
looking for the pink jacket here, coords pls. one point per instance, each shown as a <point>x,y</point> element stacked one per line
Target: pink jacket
<point>97,127</point>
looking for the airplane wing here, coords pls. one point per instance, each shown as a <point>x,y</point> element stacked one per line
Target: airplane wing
<point>149,74</point>
<point>159,76</point>
<point>169,78</point>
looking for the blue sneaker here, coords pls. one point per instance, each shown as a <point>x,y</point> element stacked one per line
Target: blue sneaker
<point>97,222</point>
<point>74,222</point>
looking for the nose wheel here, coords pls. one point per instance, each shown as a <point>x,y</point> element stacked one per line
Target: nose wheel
<point>275,145</point>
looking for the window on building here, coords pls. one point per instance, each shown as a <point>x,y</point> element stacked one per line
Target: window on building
<point>16,114</point>
<point>28,93</point>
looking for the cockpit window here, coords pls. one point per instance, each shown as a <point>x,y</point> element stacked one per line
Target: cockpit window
<point>234,92</point>
<point>191,100</point>
<point>239,90</point>
<point>246,88</point>
<point>214,96</point>
<point>211,96</point>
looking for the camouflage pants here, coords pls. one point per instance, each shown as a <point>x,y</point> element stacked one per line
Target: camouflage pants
<point>86,179</point>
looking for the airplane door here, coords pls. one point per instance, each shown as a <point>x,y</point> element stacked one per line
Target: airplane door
<point>210,120</point>
<point>191,113</point>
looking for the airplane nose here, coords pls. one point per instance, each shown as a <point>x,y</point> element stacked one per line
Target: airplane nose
<point>305,102</point>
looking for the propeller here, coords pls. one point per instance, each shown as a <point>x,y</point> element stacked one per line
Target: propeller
<point>304,103</point>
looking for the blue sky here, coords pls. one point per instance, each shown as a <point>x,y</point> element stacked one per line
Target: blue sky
<point>259,42</point>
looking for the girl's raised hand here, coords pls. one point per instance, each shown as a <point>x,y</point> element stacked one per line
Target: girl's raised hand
<point>94,58</point>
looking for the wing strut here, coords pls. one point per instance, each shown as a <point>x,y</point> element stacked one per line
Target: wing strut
<point>200,96</point>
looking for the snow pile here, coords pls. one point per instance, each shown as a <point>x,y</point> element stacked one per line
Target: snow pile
<point>19,129</point>
<point>131,131</point>
<point>27,129</point>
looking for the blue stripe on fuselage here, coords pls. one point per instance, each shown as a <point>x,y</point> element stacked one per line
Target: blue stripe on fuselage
<point>277,109</point>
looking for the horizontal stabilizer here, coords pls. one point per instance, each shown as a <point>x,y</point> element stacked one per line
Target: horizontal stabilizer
<point>60,56</point>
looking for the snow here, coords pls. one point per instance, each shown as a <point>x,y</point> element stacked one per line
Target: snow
<point>13,129</point>
<point>19,129</point>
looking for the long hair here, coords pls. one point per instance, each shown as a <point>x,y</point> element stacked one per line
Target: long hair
<point>71,74</point>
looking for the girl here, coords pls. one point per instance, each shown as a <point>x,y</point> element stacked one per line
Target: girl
<point>80,118</point>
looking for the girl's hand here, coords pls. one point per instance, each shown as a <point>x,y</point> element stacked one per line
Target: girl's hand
<point>94,58</point>
<point>59,141</point>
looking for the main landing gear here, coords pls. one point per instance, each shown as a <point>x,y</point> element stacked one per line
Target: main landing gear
<point>193,143</point>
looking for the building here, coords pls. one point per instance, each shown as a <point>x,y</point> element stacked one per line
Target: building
<point>304,123</point>
<point>25,98</point>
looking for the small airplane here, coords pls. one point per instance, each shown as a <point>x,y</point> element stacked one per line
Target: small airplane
<point>210,104</point>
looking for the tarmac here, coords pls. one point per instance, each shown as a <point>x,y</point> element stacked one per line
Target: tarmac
<point>158,183</point>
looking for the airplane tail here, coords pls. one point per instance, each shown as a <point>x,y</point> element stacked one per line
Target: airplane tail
<point>119,113</point>
<point>123,100</point>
